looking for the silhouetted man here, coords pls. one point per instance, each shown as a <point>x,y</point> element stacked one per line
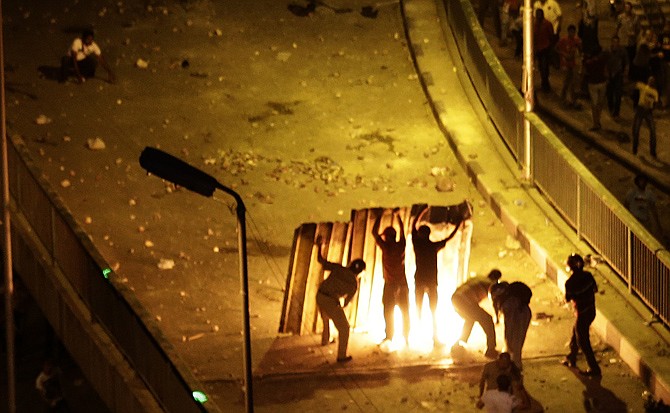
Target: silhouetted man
<point>512,300</point>
<point>396,291</point>
<point>581,288</point>
<point>425,277</point>
<point>341,283</point>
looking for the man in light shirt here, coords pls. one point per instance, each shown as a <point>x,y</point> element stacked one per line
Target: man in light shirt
<point>83,58</point>
<point>552,12</point>
<point>644,113</point>
<point>499,400</point>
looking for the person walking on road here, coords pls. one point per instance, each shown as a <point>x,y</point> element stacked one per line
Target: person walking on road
<point>466,301</point>
<point>569,48</point>
<point>581,288</point>
<point>627,29</point>
<point>543,35</point>
<point>341,283</point>
<point>617,62</point>
<point>396,291</point>
<point>551,11</point>
<point>587,30</point>
<point>425,276</point>
<point>644,113</point>
<point>508,14</point>
<point>512,300</point>
<point>484,6</point>
<point>595,69</point>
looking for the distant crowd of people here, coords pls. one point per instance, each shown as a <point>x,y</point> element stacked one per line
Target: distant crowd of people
<point>636,62</point>
<point>501,387</point>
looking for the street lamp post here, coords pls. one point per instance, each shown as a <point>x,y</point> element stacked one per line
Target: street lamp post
<point>180,173</point>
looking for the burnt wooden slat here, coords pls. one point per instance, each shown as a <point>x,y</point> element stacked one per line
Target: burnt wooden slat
<point>297,278</point>
<point>360,229</point>
<point>314,278</point>
<point>338,243</point>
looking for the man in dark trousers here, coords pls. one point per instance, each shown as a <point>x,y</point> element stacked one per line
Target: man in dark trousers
<point>512,300</point>
<point>425,277</point>
<point>581,288</point>
<point>617,62</point>
<point>341,283</point>
<point>466,301</point>
<point>396,291</point>
<point>647,101</point>
<point>595,70</point>
<point>543,36</point>
<point>83,58</point>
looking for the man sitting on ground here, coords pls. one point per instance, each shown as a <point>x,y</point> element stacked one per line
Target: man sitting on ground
<point>83,58</point>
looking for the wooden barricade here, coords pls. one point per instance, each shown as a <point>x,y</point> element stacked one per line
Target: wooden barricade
<point>344,242</point>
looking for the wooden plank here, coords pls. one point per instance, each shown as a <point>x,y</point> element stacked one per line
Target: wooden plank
<point>372,282</point>
<point>315,276</point>
<point>298,278</point>
<point>283,320</point>
<point>363,246</point>
<point>338,238</point>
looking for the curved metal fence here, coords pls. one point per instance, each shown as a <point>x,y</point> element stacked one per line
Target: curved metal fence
<point>585,204</point>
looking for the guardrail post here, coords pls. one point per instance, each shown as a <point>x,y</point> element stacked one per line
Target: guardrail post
<point>527,84</point>
<point>629,260</point>
<point>578,214</point>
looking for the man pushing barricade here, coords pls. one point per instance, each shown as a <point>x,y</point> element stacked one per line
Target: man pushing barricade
<point>396,291</point>
<point>425,253</point>
<point>466,301</point>
<point>341,283</point>
<point>512,300</point>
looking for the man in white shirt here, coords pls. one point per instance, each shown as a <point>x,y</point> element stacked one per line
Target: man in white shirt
<point>552,12</point>
<point>498,400</point>
<point>83,58</point>
<point>647,101</point>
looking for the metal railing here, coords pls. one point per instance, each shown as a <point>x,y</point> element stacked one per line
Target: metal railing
<point>585,204</point>
<point>51,246</point>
